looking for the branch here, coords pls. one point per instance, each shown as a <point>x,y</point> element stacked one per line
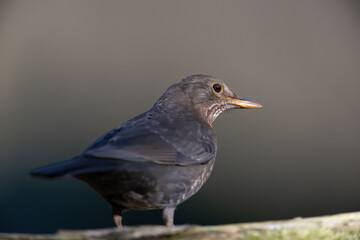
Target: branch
<point>340,226</point>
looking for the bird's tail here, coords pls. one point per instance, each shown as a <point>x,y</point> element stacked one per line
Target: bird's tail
<point>77,165</point>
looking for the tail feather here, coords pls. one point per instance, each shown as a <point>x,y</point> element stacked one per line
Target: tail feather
<point>77,165</point>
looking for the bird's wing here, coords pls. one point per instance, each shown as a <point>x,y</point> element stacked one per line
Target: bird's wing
<point>159,143</point>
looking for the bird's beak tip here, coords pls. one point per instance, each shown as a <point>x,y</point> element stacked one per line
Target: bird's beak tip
<point>244,103</point>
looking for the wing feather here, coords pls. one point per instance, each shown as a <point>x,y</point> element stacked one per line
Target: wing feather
<point>162,142</point>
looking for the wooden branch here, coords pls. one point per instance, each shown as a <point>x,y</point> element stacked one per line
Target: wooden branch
<point>340,226</point>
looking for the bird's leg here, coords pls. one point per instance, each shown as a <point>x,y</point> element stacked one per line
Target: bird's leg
<point>168,216</point>
<point>117,215</point>
<point>117,220</point>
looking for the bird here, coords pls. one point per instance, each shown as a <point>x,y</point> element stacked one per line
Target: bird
<point>160,158</point>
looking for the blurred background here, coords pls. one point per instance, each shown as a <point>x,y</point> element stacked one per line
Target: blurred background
<point>73,70</point>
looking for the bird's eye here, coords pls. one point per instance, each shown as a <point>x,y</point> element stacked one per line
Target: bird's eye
<point>218,88</point>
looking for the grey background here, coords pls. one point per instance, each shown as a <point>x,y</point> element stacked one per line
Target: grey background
<point>72,70</point>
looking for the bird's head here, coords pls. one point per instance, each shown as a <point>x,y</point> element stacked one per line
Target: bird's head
<point>203,96</point>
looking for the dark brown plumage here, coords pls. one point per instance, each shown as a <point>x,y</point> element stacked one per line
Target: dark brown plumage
<point>160,158</point>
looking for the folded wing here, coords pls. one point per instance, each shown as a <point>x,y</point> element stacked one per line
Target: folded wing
<point>162,142</point>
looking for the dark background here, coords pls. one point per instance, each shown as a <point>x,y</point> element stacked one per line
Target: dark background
<point>72,70</point>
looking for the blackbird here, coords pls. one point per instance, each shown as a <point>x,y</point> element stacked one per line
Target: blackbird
<point>160,158</point>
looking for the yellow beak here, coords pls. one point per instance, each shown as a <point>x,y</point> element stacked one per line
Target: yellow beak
<point>244,103</point>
